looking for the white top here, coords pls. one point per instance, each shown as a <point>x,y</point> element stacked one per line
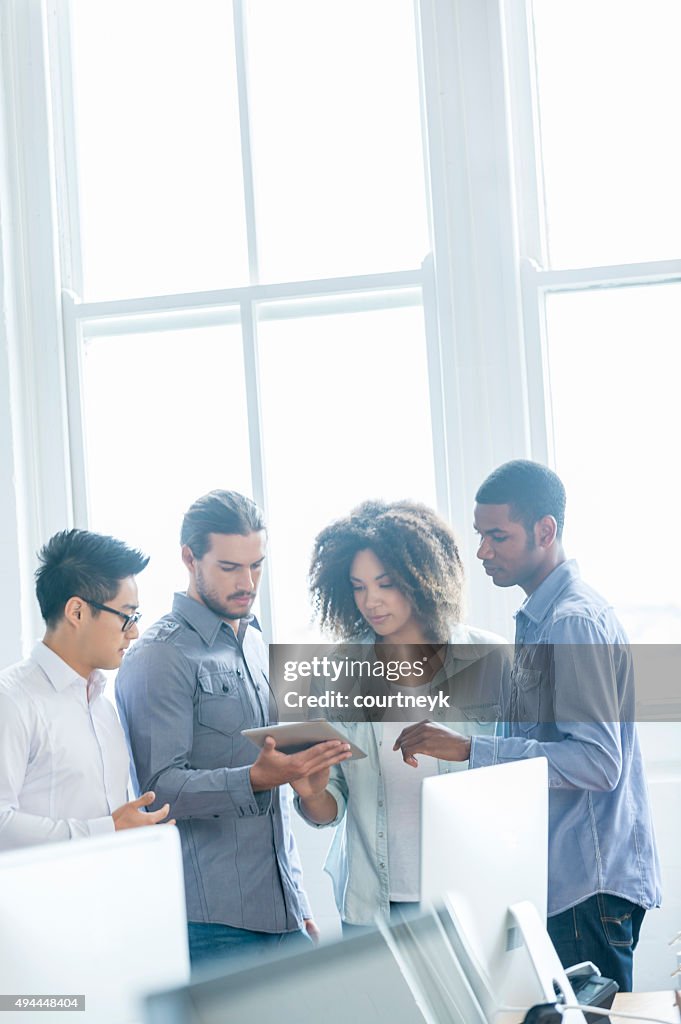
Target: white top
<point>402,786</point>
<point>63,759</point>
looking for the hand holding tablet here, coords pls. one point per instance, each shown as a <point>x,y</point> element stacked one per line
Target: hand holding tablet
<point>293,737</point>
<point>311,754</point>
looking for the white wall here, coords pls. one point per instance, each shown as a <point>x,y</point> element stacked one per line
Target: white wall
<point>655,960</point>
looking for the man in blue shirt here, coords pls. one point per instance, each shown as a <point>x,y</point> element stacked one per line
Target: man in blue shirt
<point>192,684</point>
<point>572,702</point>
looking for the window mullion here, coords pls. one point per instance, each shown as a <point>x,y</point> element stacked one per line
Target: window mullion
<point>392,281</point>
<point>241,52</point>
<point>257,452</point>
<point>475,250</point>
<point>63,105</point>
<point>38,321</point>
<point>536,366</point>
<point>436,381</point>
<point>525,135</point>
<point>619,275</point>
<point>73,359</point>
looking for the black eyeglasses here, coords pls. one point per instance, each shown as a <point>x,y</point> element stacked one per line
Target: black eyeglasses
<point>128,620</point>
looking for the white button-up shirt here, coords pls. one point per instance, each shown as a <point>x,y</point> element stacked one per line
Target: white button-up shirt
<point>63,757</point>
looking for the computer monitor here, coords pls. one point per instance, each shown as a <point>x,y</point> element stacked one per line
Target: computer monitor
<point>404,973</point>
<point>102,917</point>
<point>484,866</point>
<point>346,981</point>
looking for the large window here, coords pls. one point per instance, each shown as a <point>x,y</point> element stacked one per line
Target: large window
<point>602,276</point>
<point>322,251</point>
<point>244,223</point>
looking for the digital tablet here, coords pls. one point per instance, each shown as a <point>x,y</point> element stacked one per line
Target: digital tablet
<point>292,737</point>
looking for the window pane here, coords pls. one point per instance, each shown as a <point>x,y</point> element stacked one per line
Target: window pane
<point>336,137</point>
<point>351,422</point>
<point>159,165</point>
<point>165,421</point>
<point>615,364</point>
<point>609,95</point>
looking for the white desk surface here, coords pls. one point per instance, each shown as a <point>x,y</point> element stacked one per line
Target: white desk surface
<point>651,1004</point>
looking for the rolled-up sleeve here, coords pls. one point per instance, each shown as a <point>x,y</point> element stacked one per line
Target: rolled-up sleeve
<point>587,757</point>
<point>338,788</point>
<point>155,696</point>
<point>587,754</point>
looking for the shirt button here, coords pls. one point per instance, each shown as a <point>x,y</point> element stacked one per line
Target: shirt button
<point>380,803</point>
<point>380,835</point>
<point>381,864</point>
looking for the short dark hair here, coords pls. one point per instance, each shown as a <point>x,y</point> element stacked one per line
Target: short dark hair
<point>219,512</point>
<point>531,489</point>
<point>416,547</point>
<point>78,563</point>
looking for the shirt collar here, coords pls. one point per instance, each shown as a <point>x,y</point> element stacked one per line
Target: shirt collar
<point>538,605</point>
<point>61,675</point>
<point>202,620</point>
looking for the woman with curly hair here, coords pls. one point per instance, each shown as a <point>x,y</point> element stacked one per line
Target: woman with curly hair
<point>389,575</point>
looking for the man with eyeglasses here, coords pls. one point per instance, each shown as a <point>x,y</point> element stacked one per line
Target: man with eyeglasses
<point>63,756</point>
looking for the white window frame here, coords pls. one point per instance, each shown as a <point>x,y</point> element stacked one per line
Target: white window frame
<point>475,345</point>
<point>194,309</point>
<point>538,279</point>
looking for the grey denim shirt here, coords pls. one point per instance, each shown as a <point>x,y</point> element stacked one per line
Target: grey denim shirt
<point>185,691</point>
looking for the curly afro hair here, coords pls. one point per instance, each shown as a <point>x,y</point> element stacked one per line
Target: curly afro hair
<point>415,546</point>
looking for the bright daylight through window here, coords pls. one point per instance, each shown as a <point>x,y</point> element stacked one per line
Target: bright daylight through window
<point>253,273</point>
<point>214,167</point>
<point>609,83</point>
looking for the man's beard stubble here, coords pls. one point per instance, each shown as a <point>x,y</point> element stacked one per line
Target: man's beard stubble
<point>216,605</point>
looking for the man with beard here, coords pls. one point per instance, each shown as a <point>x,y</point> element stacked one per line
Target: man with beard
<point>195,680</point>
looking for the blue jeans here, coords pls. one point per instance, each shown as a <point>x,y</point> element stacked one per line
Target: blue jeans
<point>209,943</point>
<point>603,929</point>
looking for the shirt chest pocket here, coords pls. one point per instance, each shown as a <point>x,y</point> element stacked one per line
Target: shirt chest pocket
<point>485,716</point>
<point>221,701</point>
<point>526,698</point>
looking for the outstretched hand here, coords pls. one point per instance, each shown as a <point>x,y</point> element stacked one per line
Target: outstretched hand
<point>434,740</point>
<point>130,815</point>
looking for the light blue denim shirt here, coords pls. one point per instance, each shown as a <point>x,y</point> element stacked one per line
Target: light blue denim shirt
<point>358,857</point>
<point>600,829</point>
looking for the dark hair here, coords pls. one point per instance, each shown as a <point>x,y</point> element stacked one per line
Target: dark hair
<point>416,547</point>
<point>219,512</point>
<point>77,563</point>
<point>532,491</point>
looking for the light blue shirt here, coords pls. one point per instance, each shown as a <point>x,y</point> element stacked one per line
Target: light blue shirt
<point>358,857</point>
<point>578,713</point>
